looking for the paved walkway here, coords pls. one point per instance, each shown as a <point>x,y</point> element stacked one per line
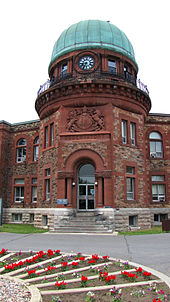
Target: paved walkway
<point>149,250</point>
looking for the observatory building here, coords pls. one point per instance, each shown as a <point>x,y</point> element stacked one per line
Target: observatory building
<point>96,160</point>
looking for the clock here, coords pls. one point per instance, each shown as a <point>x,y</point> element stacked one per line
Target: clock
<point>86,63</point>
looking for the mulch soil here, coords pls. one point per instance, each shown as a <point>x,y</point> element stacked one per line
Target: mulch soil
<point>105,297</point>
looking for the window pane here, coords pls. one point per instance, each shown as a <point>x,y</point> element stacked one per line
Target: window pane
<point>161,189</point>
<point>22,142</point>
<point>130,188</point>
<point>124,131</point>
<point>47,172</point>
<point>155,135</point>
<point>19,181</point>
<point>47,189</point>
<point>34,194</point>
<point>132,133</point>
<point>46,136</point>
<point>36,151</point>
<point>36,141</point>
<point>19,194</point>
<point>152,147</point>
<point>158,177</point>
<point>51,134</point>
<point>158,147</point>
<point>130,170</point>
<point>112,67</point>
<point>34,180</point>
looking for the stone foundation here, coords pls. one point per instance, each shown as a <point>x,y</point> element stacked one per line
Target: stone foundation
<point>120,219</point>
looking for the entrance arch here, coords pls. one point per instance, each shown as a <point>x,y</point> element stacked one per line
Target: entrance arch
<point>68,186</point>
<point>86,187</point>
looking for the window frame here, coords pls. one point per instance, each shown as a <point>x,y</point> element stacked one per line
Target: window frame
<point>133,133</point>
<point>157,183</point>
<point>135,221</point>
<point>21,148</point>
<point>20,186</point>
<point>35,148</point>
<point>14,215</point>
<point>157,142</point>
<point>124,131</point>
<point>49,135</point>
<point>47,184</point>
<point>112,69</point>
<point>33,185</point>
<point>63,69</point>
<point>131,176</point>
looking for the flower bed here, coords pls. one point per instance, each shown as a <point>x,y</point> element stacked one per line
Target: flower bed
<point>76,277</point>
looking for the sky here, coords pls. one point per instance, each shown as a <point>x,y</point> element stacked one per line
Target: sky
<point>29,30</point>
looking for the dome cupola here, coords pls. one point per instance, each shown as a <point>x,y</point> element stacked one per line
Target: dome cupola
<point>92,34</point>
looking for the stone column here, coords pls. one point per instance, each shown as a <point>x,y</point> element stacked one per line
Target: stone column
<point>69,191</point>
<point>99,192</point>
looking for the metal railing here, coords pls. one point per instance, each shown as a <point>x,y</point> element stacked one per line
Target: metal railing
<point>97,75</point>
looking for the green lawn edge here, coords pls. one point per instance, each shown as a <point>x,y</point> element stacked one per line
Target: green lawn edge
<point>153,230</point>
<point>21,229</point>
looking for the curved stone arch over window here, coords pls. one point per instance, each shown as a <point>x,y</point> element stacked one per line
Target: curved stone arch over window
<point>21,150</point>
<point>36,149</point>
<point>155,144</point>
<point>81,156</point>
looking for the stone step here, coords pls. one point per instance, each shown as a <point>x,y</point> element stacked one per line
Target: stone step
<point>85,213</point>
<point>79,223</point>
<point>79,230</point>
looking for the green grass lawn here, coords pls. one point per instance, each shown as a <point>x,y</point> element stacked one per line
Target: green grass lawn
<point>21,228</point>
<point>153,230</point>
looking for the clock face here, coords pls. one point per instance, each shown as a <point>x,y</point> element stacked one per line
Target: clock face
<point>86,62</point>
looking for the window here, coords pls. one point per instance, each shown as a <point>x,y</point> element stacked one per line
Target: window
<point>112,67</point>
<point>128,73</point>
<point>130,183</point>
<point>63,70</point>
<point>155,141</point>
<point>130,170</point>
<point>21,150</point>
<point>16,217</point>
<point>133,134</point>
<point>34,190</point>
<point>19,190</point>
<point>46,137</point>
<point>49,136</point>
<point>31,217</point>
<point>47,184</point>
<point>160,217</point>
<point>36,149</point>
<point>158,188</point>
<point>44,220</point>
<point>124,132</point>
<point>133,221</point>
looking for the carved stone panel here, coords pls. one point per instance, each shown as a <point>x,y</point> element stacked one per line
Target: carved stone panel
<point>85,119</point>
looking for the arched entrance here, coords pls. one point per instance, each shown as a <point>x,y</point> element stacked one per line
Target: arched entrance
<point>86,187</point>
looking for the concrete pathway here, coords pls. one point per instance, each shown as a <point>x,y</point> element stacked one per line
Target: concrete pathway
<point>149,250</point>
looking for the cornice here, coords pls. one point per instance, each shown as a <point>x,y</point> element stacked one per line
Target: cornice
<point>78,88</point>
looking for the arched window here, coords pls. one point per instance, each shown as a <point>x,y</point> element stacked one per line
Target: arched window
<point>155,142</point>
<point>36,149</point>
<point>21,150</point>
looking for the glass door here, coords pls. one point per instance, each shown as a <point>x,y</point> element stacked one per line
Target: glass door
<point>86,197</point>
<point>86,188</point>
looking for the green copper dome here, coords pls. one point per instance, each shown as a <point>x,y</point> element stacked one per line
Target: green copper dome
<point>92,34</point>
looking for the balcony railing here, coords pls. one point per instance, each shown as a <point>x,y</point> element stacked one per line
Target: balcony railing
<point>113,75</point>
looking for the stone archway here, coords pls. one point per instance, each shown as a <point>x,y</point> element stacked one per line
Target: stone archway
<point>68,178</point>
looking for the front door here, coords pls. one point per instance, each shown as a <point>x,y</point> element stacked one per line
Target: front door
<point>86,188</point>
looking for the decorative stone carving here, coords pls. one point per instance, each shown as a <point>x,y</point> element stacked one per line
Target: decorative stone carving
<point>85,119</point>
